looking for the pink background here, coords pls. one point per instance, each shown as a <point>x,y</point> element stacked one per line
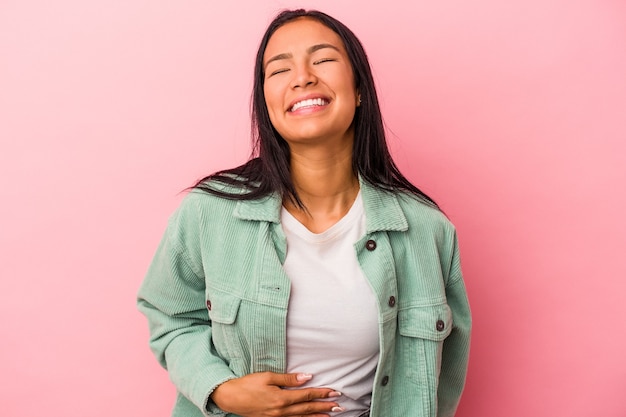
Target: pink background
<point>512,114</point>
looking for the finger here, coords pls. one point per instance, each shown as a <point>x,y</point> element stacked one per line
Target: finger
<point>313,408</point>
<point>305,395</point>
<point>289,380</point>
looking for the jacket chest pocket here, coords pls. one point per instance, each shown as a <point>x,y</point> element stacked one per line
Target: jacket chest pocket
<point>422,332</point>
<point>226,333</point>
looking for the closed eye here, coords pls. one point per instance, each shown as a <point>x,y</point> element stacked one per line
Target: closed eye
<point>320,61</point>
<point>278,71</point>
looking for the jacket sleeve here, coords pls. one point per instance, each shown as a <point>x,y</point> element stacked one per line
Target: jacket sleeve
<point>455,354</point>
<point>172,297</point>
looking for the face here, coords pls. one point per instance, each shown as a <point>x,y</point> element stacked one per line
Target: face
<point>309,85</point>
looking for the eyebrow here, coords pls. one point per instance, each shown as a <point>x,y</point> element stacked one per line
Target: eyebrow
<point>309,51</point>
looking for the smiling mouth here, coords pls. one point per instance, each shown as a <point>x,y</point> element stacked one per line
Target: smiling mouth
<point>312,102</point>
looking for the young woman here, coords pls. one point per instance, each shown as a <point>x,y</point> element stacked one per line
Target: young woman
<point>315,279</point>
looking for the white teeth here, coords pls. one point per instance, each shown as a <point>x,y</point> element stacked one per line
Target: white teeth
<point>309,103</point>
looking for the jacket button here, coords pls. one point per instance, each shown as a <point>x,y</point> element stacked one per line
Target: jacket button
<point>385,380</point>
<point>392,301</point>
<point>370,245</point>
<point>440,325</point>
<point>208,304</point>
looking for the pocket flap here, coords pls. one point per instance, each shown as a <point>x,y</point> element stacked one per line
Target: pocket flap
<point>223,307</point>
<point>430,322</point>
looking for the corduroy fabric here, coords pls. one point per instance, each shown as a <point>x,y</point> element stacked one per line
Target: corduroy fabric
<point>216,301</point>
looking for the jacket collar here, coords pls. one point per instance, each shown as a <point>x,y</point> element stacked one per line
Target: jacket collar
<point>382,209</point>
<point>266,209</point>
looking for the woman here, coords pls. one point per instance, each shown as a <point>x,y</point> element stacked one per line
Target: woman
<point>314,279</point>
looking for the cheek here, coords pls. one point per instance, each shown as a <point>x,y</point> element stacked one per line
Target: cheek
<point>274,111</point>
<point>271,104</point>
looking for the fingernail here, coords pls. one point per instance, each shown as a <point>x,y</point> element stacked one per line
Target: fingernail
<point>334,394</point>
<point>303,377</point>
<point>337,409</point>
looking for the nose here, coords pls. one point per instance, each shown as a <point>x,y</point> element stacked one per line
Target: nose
<point>303,76</point>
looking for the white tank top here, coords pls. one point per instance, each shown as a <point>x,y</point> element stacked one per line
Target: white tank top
<point>332,321</point>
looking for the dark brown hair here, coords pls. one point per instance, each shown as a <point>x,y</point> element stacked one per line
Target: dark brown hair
<point>268,170</point>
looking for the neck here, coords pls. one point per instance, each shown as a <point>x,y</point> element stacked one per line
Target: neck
<point>325,183</point>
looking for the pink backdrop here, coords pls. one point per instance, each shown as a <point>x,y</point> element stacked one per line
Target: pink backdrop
<point>512,114</point>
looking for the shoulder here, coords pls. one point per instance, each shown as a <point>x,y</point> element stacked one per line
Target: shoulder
<point>418,210</point>
<point>200,208</point>
<point>424,218</point>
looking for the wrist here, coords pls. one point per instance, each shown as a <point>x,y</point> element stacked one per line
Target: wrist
<point>219,394</point>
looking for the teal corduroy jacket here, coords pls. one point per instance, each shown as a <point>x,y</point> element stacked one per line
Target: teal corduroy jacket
<point>216,297</point>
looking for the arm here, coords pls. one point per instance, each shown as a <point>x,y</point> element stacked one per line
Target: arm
<point>456,346</point>
<point>172,297</point>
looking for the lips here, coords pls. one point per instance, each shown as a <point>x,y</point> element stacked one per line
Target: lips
<point>305,102</point>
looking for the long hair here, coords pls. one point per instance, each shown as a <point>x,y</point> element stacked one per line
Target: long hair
<point>268,170</point>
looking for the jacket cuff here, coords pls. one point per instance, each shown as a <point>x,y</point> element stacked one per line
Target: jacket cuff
<point>204,386</point>
<point>210,409</point>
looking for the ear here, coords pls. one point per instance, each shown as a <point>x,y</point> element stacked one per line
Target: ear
<point>358,99</point>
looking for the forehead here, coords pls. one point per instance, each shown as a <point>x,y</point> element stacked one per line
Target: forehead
<point>300,34</point>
